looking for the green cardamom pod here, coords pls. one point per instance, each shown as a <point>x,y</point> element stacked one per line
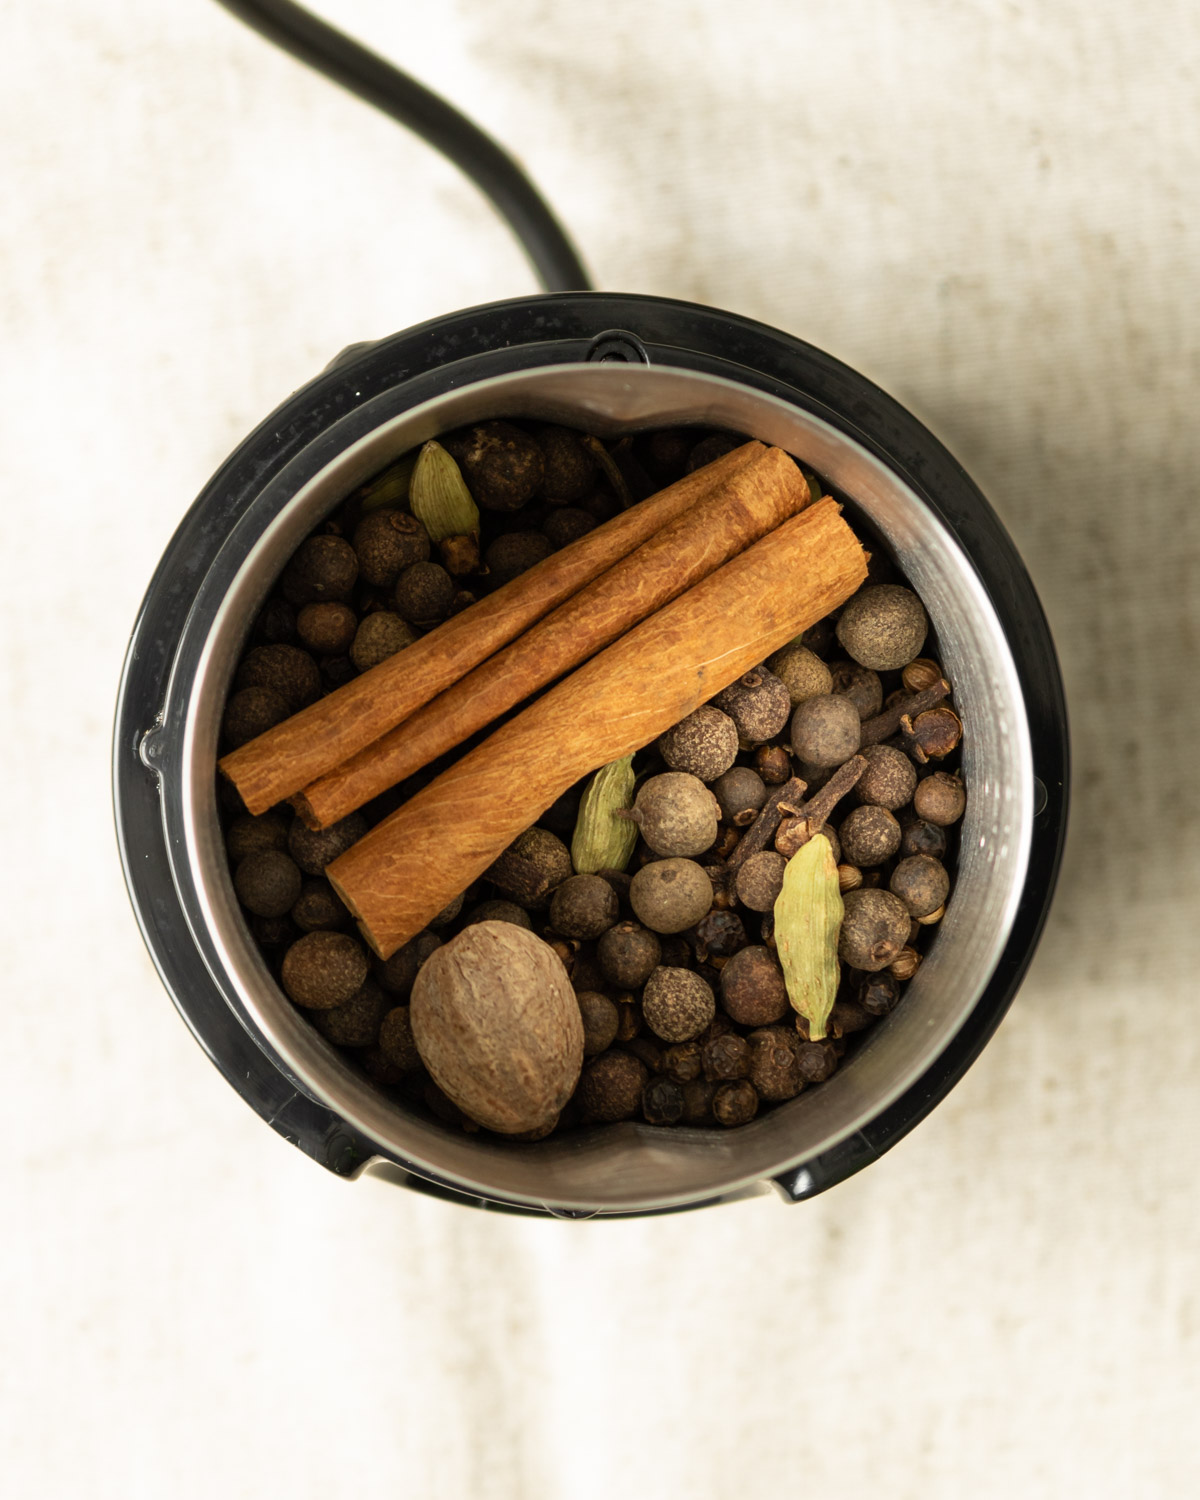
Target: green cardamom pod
<point>391,487</point>
<point>808,919</point>
<point>439,497</point>
<point>602,839</point>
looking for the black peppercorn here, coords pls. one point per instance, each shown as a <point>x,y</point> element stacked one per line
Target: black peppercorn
<point>859,684</point>
<point>267,883</point>
<point>889,780</point>
<point>662,1102</point>
<point>918,836</point>
<point>611,1087</point>
<point>423,593</point>
<point>752,987</point>
<point>251,712</point>
<point>502,465</point>
<point>697,1101</point>
<point>313,849</point>
<point>725,1056</point>
<point>583,906</point>
<point>385,543</point>
<point>940,799</point>
<point>569,471</point>
<point>323,969</point>
<point>774,1069</point>
<point>705,744</point>
<point>883,627</point>
<point>869,835</point>
<point>628,954</point>
<point>735,1103</point>
<point>508,556</point>
<point>323,567</point>
<point>677,1004</point>
<point>816,1061</point>
<point>600,1020</point>
<point>718,935</point>
<point>826,730</point>
<point>874,929</point>
<point>355,1023</point>
<point>759,705</point>
<point>328,629</point>
<point>921,883</point>
<point>878,993</point>
<point>681,1061</point>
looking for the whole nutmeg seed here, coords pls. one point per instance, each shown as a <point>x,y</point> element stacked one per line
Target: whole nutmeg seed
<point>498,1026</point>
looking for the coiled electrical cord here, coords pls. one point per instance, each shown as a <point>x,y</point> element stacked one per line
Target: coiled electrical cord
<point>486,163</point>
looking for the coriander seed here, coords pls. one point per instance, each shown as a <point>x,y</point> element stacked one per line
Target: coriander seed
<point>920,675</point>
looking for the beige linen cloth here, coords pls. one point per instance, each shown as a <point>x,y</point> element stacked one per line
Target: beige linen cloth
<point>989,208</point>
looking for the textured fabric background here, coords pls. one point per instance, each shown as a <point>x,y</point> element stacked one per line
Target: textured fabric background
<point>989,208</point>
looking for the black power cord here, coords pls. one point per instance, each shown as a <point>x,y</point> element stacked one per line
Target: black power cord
<point>489,166</point>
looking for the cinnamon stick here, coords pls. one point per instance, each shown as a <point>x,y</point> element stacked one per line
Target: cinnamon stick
<point>412,864</point>
<point>751,502</point>
<point>287,758</point>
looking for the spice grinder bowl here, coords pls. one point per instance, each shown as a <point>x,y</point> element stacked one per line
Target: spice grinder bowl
<point>614,373</point>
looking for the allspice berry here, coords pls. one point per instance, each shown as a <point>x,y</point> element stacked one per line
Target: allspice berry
<point>858,683</point>
<point>611,1088</point>
<point>676,813</point>
<point>499,911</point>
<point>889,780</point>
<point>705,744</point>
<point>802,672</point>
<point>502,465</point>
<point>385,543</point>
<point>662,1102</point>
<point>874,929</point>
<point>760,880</point>
<point>531,867</point>
<point>313,849</point>
<point>396,1039</point>
<point>628,954</point>
<point>510,555</point>
<point>379,636</point>
<point>753,991</point>
<point>921,883</point>
<point>940,799</point>
<point>328,628</point>
<point>292,673</point>
<point>318,909</point>
<point>869,835</point>
<point>709,449</point>
<point>883,627</point>
<point>497,1024</point>
<point>423,593</point>
<point>670,895</point>
<point>250,835</point>
<point>583,906</point>
<point>323,969</point>
<point>567,524</point>
<point>354,1023</point>
<point>826,730</point>
<point>677,1004</point>
<point>568,468</point>
<point>735,1103</point>
<point>759,705</point>
<point>267,883</point>
<point>323,567</point>
<point>599,1016</point>
<point>398,973</point>
<point>740,793</point>
<point>251,712</point>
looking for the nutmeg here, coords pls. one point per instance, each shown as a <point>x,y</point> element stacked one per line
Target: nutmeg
<point>497,1024</point>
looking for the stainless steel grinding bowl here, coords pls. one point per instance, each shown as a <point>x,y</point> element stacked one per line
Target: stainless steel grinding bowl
<point>166,747</point>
